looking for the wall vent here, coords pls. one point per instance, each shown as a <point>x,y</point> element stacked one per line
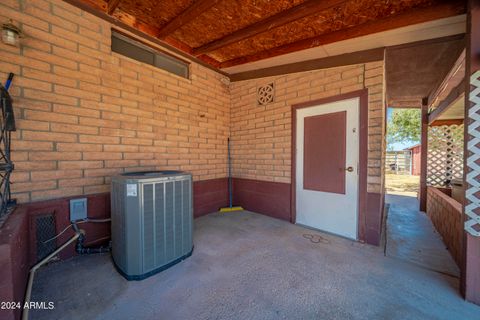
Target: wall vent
<point>45,230</point>
<point>265,94</point>
<point>138,51</point>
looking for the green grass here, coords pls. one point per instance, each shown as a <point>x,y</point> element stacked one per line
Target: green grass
<point>402,183</point>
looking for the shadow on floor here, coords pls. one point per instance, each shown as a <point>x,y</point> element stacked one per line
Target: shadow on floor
<point>412,237</point>
<point>249,266</point>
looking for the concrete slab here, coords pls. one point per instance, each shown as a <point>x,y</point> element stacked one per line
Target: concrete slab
<point>411,236</point>
<point>249,266</point>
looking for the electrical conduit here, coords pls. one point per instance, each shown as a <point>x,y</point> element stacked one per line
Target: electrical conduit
<point>28,294</point>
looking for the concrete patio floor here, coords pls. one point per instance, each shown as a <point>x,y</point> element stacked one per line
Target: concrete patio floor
<point>249,266</point>
<point>411,236</point>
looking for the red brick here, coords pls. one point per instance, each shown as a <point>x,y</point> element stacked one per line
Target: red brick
<point>55,174</point>
<point>102,155</point>
<point>40,156</point>
<point>51,117</point>
<point>78,147</point>
<point>48,136</point>
<point>64,165</point>
<point>98,139</point>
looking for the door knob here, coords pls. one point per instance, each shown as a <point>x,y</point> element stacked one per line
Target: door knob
<point>349,169</point>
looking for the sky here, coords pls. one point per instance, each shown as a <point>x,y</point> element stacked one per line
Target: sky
<point>398,146</point>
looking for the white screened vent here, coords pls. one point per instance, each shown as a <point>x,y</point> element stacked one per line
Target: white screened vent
<point>152,221</point>
<point>265,94</point>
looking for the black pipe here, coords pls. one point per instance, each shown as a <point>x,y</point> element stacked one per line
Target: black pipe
<point>80,249</point>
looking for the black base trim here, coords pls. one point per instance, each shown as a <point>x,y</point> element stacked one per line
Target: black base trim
<point>151,273</point>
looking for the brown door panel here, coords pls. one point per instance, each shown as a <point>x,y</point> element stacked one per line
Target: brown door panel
<point>325,152</point>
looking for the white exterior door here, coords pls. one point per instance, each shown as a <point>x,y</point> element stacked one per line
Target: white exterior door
<point>327,157</point>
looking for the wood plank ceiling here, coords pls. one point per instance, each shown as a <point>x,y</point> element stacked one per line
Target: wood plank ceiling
<point>233,32</point>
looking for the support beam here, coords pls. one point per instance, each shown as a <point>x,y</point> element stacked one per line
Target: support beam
<point>112,5</point>
<point>423,153</point>
<point>321,63</point>
<point>405,103</point>
<point>397,21</point>
<point>470,280</point>
<point>197,8</point>
<point>300,11</point>
<point>453,96</point>
<point>447,122</point>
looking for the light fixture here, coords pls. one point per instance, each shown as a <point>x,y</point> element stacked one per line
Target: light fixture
<point>11,34</point>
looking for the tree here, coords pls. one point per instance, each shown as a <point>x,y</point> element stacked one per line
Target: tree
<point>404,125</point>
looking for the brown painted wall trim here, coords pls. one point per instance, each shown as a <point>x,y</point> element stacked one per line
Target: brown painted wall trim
<point>265,197</point>
<point>322,63</point>
<point>374,216</point>
<point>209,196</point>
<point>14,261</point>
<point>369,211</point>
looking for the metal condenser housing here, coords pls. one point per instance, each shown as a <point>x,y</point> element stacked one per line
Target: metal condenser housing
<point>152,221</point>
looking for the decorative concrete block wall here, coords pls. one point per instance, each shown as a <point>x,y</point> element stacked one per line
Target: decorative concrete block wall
<point>84,113</point>
<point>446,215</point>
<point>445,154</point>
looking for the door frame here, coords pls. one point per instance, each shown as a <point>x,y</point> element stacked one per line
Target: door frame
<point>363,153</point>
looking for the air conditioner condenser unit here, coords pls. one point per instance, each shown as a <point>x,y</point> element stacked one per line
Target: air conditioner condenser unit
<point>152,221</point>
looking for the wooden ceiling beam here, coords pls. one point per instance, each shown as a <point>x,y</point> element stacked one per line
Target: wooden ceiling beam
<point>446,122</point>
<point>413,16</point>
<point>315,64</point>
<point>112,5</point>
<point>197,8</point>
<point>453,96</point>
<point>300,11</point>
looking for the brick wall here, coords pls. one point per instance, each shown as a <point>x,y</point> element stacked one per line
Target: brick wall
<point>446,215</point>
<point>84,113</point>
<point>261,135</point>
